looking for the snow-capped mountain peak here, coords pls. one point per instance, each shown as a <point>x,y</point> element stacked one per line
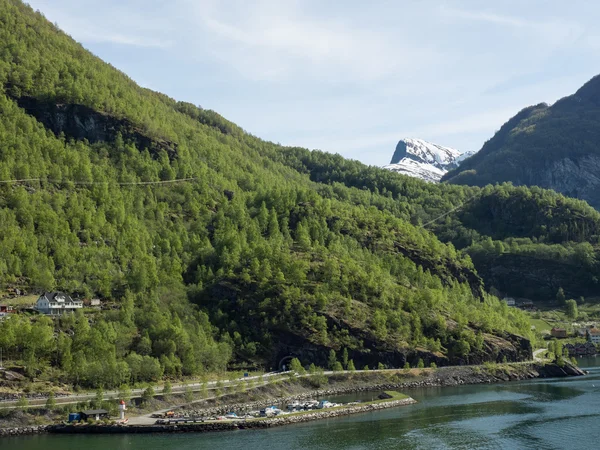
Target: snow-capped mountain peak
<point>425,160</point>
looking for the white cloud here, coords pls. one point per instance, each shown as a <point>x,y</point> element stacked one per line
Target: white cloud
<point>115,24</point>
<point>278,39</point>
<point>481,16</point>
<point>97,35</point>
<point>553,31</point>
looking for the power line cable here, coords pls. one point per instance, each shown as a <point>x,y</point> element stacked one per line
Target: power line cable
<point>90,183</point>
<point>450,211</point>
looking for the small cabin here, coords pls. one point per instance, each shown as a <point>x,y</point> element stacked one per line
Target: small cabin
<point>5,310</point>
<point>94,414</point>
<point>558,332</point>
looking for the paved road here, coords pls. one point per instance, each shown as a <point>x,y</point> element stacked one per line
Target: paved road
<point>181,388</point>
<point>538,352</point>
<point>136,393</point>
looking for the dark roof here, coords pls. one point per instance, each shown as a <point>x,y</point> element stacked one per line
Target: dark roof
<point>93,412</point>
<point>51,295</point>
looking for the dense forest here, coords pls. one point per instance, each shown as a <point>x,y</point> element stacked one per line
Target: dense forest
<point>218,247</point>
<point>524,242</point>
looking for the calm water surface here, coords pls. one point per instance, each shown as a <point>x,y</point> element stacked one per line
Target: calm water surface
<point>537,414</point>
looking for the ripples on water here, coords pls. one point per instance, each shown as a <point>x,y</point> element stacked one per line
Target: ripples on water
<point>537,414</point>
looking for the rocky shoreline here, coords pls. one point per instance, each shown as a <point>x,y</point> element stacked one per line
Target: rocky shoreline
<point>446,376</point>
<point>22,431</point>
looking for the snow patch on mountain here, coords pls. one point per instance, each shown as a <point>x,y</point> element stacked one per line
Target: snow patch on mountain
<point>463,156</point>
<point>425,160</point>
<point>417,169</point>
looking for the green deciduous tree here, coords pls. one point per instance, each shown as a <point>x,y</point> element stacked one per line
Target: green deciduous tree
<point>571,309</point>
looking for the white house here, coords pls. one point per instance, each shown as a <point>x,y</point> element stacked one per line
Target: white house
<point>509,301</point>
<point>56,303</point>
<point>594,335</point>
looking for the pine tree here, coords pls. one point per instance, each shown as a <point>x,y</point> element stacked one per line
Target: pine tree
<point>560,296</point>
<point>345,357</point>
<point>332,360</point>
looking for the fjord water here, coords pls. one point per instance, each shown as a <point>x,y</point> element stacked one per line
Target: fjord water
<point>550,414</point>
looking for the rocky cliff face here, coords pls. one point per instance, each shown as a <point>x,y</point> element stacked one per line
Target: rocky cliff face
<point>574,177</point>
<point>555,147</point>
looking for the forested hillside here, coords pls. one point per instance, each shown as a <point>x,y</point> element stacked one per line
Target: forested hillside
<point>218,247</point>
<point>555,147</point>
<point>525,242</point>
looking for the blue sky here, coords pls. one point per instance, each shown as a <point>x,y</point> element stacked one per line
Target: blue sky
<point>350,77</point>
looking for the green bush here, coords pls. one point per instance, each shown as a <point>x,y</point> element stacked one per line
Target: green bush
<point>148,394</point>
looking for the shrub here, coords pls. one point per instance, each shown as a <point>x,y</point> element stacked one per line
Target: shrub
<point>22,403</point>
<point>51,402</point>
<point>148,394</point>
<point>296,367</point>
<point>188,394</point>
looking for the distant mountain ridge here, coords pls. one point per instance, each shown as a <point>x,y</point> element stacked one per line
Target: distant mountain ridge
<point>425,160</point>
<point>554,147</point>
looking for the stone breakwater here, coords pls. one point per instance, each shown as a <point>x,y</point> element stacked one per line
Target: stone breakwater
<point>22,431</point>
<point>229,425</point>
<point>447,376</point>
<point>9,397</point>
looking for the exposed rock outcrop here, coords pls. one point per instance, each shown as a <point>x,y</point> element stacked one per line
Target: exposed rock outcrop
<point>81,122</point>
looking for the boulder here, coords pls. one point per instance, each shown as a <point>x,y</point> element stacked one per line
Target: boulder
<point>9,375</point>
<point>384,396</point>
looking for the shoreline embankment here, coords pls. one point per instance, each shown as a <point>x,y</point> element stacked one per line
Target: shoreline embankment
<point>361,382</point>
